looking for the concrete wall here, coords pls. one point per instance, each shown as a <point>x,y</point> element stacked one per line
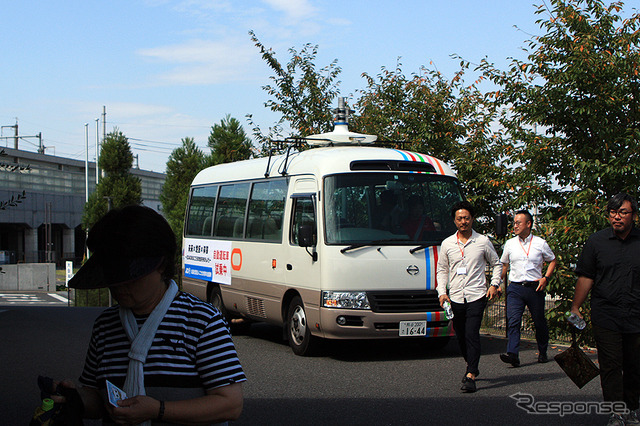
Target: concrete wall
<point>28,277</point>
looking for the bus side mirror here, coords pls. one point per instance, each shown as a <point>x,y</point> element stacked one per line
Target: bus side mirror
<point>305,236</point>
<point>502,225</point>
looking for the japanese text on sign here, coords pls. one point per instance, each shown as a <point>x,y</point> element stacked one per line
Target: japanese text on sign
<point>208,260</point>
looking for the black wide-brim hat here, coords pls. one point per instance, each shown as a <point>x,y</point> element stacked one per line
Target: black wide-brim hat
<point>126,245</point>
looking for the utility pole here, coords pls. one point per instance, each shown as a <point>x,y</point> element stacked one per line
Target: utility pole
<point>86,163</point>
<point>104,132</point>
<point>40,146</point>
<point>97,149</point>
<point>15,137</point>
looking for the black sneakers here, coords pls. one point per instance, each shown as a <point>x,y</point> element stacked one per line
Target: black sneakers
<point>468,385</point>
<point>510,358</point>
<point>542,358</point>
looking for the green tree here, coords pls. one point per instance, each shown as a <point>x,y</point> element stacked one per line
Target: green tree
<point>301,94</point>
<point>228,142</point>
<point>444,118</point>
<point>572,109</point>
<point>183,165</point>
<point>118,188</point>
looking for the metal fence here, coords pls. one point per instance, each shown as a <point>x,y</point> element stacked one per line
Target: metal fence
<point>495,320</point>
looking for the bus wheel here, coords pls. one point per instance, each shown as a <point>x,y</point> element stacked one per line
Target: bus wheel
<point>298,329</point>
<point>215,298</point>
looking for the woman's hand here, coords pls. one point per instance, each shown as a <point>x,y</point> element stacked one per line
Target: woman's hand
<point>132,411</point>
<point>66,383</point>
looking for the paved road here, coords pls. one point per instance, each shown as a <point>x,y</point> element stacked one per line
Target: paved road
<point>350,383</point>
<point>33,299</point>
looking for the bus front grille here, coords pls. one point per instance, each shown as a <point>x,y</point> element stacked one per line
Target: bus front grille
<point>404,301</point>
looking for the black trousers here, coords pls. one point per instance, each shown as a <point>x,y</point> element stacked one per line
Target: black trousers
<point>619,359</point>
<point>467,318</point>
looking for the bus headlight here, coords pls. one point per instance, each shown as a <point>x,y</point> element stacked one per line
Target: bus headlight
<point>345,299</point>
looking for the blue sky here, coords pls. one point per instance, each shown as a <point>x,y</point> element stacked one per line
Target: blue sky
<point>168,69</point>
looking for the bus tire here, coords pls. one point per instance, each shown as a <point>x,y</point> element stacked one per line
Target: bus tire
<point>301,340</point>
<point>215,298</point>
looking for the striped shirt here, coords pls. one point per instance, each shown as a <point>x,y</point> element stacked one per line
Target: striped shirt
<point>192,352</point>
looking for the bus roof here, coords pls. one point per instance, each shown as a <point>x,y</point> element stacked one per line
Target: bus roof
<point>321,162</point>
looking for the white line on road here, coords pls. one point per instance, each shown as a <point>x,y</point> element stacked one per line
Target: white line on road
<point>57,296</point>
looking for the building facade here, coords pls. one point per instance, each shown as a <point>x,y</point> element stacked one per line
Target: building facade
<point>46,225</point>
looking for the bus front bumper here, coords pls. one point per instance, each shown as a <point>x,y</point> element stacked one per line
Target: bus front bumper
<point>365,324</point>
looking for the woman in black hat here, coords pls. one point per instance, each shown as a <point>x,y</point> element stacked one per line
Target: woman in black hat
<point>169,352</point>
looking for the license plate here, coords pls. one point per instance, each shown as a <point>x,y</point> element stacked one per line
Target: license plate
<point>413,328</point>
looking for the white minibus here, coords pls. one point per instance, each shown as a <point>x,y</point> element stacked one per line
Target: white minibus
<point>337,242</point>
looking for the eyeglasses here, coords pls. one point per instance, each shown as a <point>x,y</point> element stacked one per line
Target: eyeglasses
<point>621,213</point>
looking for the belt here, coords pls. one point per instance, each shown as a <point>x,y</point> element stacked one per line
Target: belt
<point>526,283</point>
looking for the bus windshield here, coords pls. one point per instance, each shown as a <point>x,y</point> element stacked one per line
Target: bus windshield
<point>389,208</point>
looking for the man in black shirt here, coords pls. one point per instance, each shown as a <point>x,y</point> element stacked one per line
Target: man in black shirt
<point>609,267</point>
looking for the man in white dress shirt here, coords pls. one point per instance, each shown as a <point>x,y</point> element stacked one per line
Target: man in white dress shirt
<point>524,256</point>
<point>461,278</point>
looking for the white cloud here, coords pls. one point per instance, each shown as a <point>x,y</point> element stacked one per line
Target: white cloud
<point>295,9</point>
<point>136,110</point>
<point>203,61</point>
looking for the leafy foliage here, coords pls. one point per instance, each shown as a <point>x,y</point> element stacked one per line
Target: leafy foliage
<point>573,115</point>
<point>13,201</point>
<point>184,164</point>
<point>558,133</point>
<point>301,94</point>
<point>228,142</point>
<point>443,118</point>
<point>118,188</point>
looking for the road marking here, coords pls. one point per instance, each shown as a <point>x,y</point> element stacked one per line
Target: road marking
<point>31,299</point>
<point>57,296</point>
<point>19,297</point>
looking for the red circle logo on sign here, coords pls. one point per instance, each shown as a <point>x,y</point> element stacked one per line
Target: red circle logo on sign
<point>236,261</point>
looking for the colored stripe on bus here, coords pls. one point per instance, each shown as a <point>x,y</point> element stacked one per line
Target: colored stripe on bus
<point>436,316</point>
<point>433,161</point>
<point>414,156</point>
<point>404,156</point>
<point>427,267</point>
<point>431,263</point>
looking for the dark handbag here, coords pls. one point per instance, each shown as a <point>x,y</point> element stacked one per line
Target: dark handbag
<point>67,414</point>
<point>576,364</point>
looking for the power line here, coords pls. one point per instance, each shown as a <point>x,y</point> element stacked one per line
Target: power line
<point>173,144</point>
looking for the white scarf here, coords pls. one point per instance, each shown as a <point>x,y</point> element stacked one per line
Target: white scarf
<point>141,340</point>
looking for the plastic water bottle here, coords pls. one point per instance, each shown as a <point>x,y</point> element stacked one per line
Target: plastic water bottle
<point>43,413</point>
<point>575,320</point>
<point>447,309</point>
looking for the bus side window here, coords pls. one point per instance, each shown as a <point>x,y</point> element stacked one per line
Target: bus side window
<point>202,203</point>
<point>303,215</point>
<point>266,210</point>
<point>230,210</point>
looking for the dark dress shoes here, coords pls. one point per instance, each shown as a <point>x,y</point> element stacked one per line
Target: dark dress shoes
<point>510,358</point>
<point>468,385</point>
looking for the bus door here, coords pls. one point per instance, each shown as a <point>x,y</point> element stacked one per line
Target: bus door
<point>302,265</point>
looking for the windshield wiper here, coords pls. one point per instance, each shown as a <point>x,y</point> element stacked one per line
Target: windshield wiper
<point>372,243</point>
<point>424,246</point>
